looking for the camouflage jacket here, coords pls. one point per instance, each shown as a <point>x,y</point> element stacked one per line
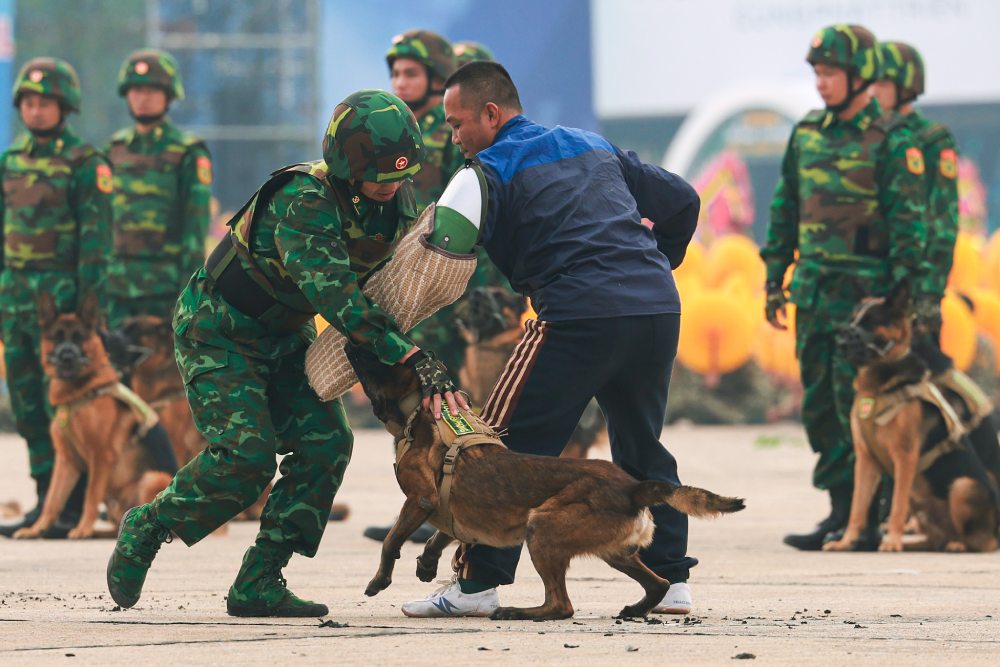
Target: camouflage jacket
<point>163,188</point>
<point>849,201</point>
<point>55,221</point>
<point>941,180</point>
<point>313,241</point>
<point>443,158</point>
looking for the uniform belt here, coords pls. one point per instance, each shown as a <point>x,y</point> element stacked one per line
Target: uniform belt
<point>227,277</point>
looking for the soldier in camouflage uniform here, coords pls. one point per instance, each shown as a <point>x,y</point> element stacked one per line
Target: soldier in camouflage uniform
<point>901,83</point>
<point>163,179</point>
<point>849,201</point>
<point>55,212</point>
<point>470,52</point>
<point>242,325</point>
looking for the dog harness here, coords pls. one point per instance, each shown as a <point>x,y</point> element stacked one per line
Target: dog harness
<point>458,432</point>
<point>876,411</point>
<point>143,413</point>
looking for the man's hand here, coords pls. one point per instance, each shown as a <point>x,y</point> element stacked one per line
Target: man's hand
<point>434,382</point>
<point>927,312</point>
<point>774,306</point>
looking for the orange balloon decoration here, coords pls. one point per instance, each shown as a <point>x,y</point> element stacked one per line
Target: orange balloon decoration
<point>958,331</point>
<point>717,332</point>
<point>967,265</point>
<point>735,254</point>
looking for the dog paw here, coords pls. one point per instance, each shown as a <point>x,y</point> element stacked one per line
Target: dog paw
<point>27,534</point>
<point>426,572</point>
<point>955,547</point>
<point>839,545</point>
<point>509,614</point>
<point>891,543</point>
<point>377,585</point>
<point>633,611</point>
<point>79,533</point>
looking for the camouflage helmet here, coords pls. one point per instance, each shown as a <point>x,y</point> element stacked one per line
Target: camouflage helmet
<point>850,47</point>
<point>49,76</point>
<point>904,67</point>
<point>428,48</point>
<point>373,137</point>
<point>150,67</point>
<point>468,52</point>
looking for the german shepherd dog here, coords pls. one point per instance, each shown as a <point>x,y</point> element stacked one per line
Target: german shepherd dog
<point>562,508</point>
<point>93,431</point>
<point>489,320</point>
<point>150,362</point>
<point>905,426</point>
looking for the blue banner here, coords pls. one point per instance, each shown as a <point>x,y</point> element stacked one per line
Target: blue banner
<point>7,53</point>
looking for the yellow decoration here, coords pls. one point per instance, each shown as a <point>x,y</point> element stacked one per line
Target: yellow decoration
<point>774,350</point>
<point>717,331</point>
<point>987,315</point>
<point>735,254</point>
<point>991,262</point>
<point>966,268</point>
<point>958,332</point>
<point>693,266</point>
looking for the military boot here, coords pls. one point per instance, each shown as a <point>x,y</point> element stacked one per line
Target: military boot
<point>260,590</point>
<point>840,510</point>
<point>139,538</point>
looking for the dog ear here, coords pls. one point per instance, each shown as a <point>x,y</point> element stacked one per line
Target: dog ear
<point>47,312</point>
<point>899,298</point>
<point>87,309</point>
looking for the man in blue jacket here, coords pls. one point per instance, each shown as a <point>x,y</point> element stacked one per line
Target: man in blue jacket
<point>564,223</point>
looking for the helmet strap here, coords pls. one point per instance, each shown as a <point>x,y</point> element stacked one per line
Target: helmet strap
<point>148,119</point>
<point>47,133</point>
<point>852,93</point>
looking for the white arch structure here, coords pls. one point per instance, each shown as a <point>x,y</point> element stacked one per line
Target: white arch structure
<point>789,99</point>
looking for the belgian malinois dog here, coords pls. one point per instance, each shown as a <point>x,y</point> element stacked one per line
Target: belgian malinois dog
<point>904,425</point>
<point>94,429</point>
<point>562,508</point>
<point>489,320</point>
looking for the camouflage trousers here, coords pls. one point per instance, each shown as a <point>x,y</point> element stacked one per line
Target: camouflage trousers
<point>827,381</point>
<point>120,308</point>
<point>249,411</point>
<point>29,387</point>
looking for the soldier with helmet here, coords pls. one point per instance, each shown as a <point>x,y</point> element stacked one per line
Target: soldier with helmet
<point>849,203</point>
<point>299,246</point>
<point>55,222</point>
<point>163,179</point>
<point>470,52</point>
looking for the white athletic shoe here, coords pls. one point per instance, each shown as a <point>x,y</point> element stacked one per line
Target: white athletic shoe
<point>676,601</point>
<point>449,600</point>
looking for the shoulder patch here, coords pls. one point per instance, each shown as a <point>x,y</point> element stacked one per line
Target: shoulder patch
<point>103,178</point>
<point>948,163</point>
<point>814,117</point>
<point>914,160</point>
<point>203,168</point>
<point>934,133</point>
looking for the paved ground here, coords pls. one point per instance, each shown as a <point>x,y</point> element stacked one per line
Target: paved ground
<point>753,596</point>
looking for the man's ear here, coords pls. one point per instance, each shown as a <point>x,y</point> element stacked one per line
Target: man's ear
<point>899,298</point>
<point>492,115</point>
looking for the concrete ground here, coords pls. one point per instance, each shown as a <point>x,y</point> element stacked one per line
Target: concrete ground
<point>754,598</point>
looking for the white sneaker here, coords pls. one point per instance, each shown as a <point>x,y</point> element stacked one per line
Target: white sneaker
<point>676,601</point>
<point>449,600</point>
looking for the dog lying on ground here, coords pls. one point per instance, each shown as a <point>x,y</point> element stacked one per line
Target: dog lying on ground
<point>904,425</point>
<point>95,426</point>
<point>489,320</point>
<point>457,474</point>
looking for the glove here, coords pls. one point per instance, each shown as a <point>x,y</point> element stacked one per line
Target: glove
<point>775,303</point>
<point>433,375</point>
<point>927,313</point>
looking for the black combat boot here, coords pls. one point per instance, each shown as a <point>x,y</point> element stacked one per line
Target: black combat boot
<point>840,510</point>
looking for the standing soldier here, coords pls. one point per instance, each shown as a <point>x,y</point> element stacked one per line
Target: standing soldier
<point>55,212</point>
<point>849,201</point>
<point>299,247</point>
<point>163,179</point>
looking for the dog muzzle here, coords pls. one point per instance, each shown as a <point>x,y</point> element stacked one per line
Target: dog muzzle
<point>68,359</point>
<point>860,346</point>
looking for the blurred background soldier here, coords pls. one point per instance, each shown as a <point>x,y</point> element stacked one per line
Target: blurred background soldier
<point>56,228</point>
<point>163,179</point>
<point>858,230</point>
<point>470,52</point>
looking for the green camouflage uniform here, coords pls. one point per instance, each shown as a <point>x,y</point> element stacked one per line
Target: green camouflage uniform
<point>55,209</point>
<point>305,239</point>
<point>161,207</point>
<point>444,158</point>
<point>849,201</point>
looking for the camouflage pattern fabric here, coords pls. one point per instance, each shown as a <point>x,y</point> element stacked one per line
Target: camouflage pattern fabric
<point>850,201</point>
<point>426,47</point>
<point>161,216</point>
<point>373,136</point>
<point>151,67</point>
<point>469,52</point>
<point>851,47</point>
<point>49,76</point>
<point>55,209</point>
<point>443,158</point>
<point>903,65</point>
<point>250,410</point>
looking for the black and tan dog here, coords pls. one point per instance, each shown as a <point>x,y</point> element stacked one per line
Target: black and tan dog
<point>94,429</point>
<point>489,320</point>
<point>458,475</point>
<point>907,426</point>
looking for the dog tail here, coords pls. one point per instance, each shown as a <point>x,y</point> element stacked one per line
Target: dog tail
<point>688,499</point>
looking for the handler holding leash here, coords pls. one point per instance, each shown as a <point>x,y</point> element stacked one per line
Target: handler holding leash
<point>242,325</point>
<point>563,225</point>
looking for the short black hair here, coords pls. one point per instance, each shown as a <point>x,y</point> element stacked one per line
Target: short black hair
<point>483,82</point>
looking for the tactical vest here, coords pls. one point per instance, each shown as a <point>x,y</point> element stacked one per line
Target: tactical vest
<point>147,198</point>
<point>365,253</point>
<point>39,225</point>
<point>839,215</point>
